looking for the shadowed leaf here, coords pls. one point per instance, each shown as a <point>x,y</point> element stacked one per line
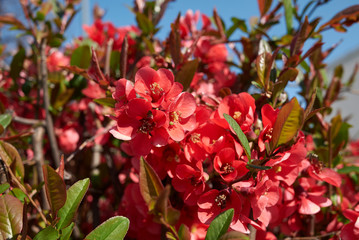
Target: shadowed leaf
<point>55,189</point>
<point>12,158</point>
<point>49,233</point>
<point>186,74</point>
<point>150,184</point>
<point>81,57</point>
<point>109,102</point>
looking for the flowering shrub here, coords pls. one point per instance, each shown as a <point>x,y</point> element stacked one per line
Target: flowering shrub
<point>175,137</point>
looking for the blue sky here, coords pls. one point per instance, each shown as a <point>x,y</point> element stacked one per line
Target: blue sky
<point>118,13</point>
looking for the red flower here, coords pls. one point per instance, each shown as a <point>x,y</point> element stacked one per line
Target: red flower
<point>142,125</point>
<point>190,181</point>
<point>269,116</point>
<point>156,86</point>
<point>311,197</point>
<point>180,116</point>
<point>350,230</point>
<point>328,175</point>
<point>123,93</point>
<point>226,165</point>
<point>239,106</point>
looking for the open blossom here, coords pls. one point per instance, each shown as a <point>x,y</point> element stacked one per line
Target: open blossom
<point>240,107</point>
<point>227,166</point>
<point>310,196</point>
<point>156,86</point>
<point>141,124</point>
<point>269,116</point>
<point>180,116</point>
<point>191,181</point>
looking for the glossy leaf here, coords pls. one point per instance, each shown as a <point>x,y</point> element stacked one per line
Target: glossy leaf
<point>113,228</point>
<point>109,102</point>
<point>49,233</point>
<point>219,225</point>
<point>55,189</point>
<point>150,184</point>
<point>10,216</point>
<point>288,122</point>
<point>241,136</point>
<point>5,119</point>
<point>12,158</point>
<point>264,66</point>
<point>350,13</point>
<point>81,57</point>
<point>75,194</point>
<point>186,74</point>
<point>4,187</point>
<point>66,232</point>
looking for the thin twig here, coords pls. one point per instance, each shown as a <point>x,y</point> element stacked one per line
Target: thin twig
<point>108,56</point>
<point>23,189</point>
<point>49,123</point>
<point>123,57</point>
<point>28,121</point>
<point>252,233</point>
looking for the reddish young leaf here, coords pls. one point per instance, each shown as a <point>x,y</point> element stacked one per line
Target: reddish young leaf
<point>264,6</point>
<point>55,189</point>
<point>175,42</point>
<point>8,19</point>
<point>95,71</point>
<point>288,122</point>
<point>11,156</point>
<point>11,219</point>
<point>349,13</point>
<point>186,74</point>
<point>60,170</point>
<point>150,184</point>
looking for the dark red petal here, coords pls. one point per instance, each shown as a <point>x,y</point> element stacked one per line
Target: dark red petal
<point>138,108</point>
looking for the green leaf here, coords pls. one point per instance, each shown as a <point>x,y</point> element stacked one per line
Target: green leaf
<point>242,138</point>
<point>288,122</point>
<point>10,216</point>
<point>150,184</point>
<point>11,156</point>
<point>18,193</point>
<point>144,24</point>
<point>186,74</point>
<point>184,233</point>
<point>17,63</point>
<point>55,189</point>
<point>288,12</point>
<point>49,233</point>
<point>115,61</point>
<point>5,119</point>
<point>113,228</point>
<point>75,194</point>
<point>4,187</point>
<point>219,225</point>
<point>348,169</point>
<point>233,235</point>
<point>81,57</point>
<point>263,63</point>
<point>109,102</point>
<point>66,232</point>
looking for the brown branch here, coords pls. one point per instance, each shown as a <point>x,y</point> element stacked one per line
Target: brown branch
<point>318,237</point>
<point>49,123</point>
<point>108,57</point>
<point>252,233</point>
<point>28,121</point>
<point>123,57</point>
<point>37,139</point>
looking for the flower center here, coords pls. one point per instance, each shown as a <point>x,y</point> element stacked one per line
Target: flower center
<point>227,168</point>
<point>269,133</point>
<point>174,117</point>
<point>221,200</point>
<point>147,124</point>
<point>195,137</point>
<point>156,89</point>
<point>237,114</point>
